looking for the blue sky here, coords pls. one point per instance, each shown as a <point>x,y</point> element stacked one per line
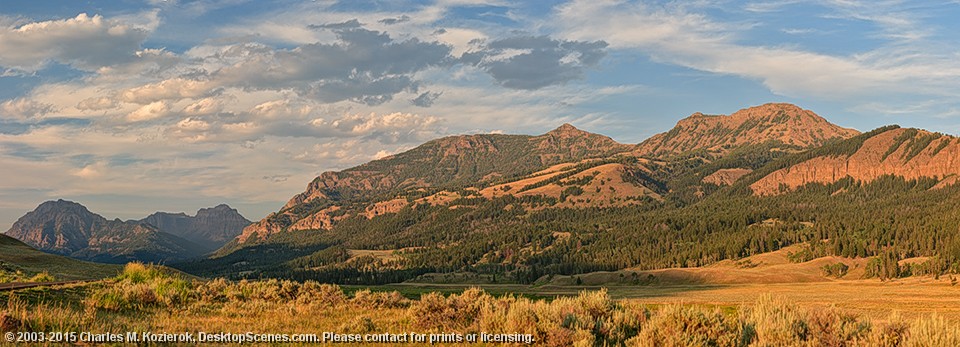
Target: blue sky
<point>130,107</point>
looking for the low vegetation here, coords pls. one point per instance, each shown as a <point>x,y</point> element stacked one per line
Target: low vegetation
<point>145,298</point>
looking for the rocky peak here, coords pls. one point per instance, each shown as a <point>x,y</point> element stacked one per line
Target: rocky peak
<point>786,123</point>
<point>567,130</point>
<point>210,227</point>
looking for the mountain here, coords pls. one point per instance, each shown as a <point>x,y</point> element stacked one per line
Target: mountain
<point>68,228</point>
<point>16,256</point>
<point>784,123</point>
<point>909,154</point>
<point>447,164</point>
<point>515,207</point>
<point>210,227</point>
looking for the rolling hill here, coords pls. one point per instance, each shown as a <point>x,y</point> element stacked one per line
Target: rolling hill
<point>17,256</point>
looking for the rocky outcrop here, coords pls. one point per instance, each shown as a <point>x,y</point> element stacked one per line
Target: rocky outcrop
<point>320,220</point>
<point>907,153</point>
<point>786,123</point>
<point>210,227</point>
<point>725,177</point>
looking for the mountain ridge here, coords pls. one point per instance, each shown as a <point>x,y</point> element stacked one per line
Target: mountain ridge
<point>69,228</point>
<point>493,165</point>
<point>782,122</point>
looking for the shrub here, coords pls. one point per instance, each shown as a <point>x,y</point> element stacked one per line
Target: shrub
<point>312,292</point>
<point>42,277</point>
<point>933,331</point>
<point>141,286</point>
<point>373,300</point>
<point>678,325</point>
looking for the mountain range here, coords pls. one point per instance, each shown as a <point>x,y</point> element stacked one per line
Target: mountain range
<point>522,209</point>
<point>518,207</point>
<point>68,228</point>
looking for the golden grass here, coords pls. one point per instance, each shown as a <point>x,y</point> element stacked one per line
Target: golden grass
<point>590,318</point>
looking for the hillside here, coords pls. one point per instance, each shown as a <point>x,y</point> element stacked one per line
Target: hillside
<point>443,166</point>
<point>68,228</point>
<point>17,256</point>
<point>907,153</point>
<point>602,209</point>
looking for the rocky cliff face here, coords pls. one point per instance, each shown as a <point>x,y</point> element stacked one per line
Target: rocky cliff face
<point>68,228</point>
<point>908,153</point>
<point>210,227</point>
<point>786,123</point>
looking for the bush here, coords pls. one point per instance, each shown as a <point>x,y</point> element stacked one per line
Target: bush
<point>678,325</point>
<point>42,277</point>
<point>933,331</point>
<point>373,300</point>
<point>141,286</point>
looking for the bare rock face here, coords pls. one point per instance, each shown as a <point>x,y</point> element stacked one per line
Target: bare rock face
<point>725,177</point>
<point>61,225</point>
<point>210,227</point>
<point>786,123</point>
<point>908,153</point>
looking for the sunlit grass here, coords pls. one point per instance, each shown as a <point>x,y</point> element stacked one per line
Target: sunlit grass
<point>144,298</point>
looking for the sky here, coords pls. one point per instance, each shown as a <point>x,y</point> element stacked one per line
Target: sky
<point>131,107</point>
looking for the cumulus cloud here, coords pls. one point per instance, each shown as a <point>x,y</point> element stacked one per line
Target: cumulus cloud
<point>85,42</point>
<point>426,99</point>
<point>149,111</point>
<point>24,109</point>
<point>176,88</point>
<point>97,103</point>
<point>204,106</point>
<point>364,66</point>
<point>533,62</point>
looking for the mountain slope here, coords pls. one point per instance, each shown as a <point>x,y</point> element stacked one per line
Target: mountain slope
<point>17,256</point>
<point>210,227</point>
<point>68,228</point>
<point>459,161</point>
<point>905,153</point>
<point>785,123</point>
<point>685,202</point>
<point>447,164</point>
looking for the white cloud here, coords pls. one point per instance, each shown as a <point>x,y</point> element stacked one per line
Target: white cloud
<point>97,103</point>
<point>176,89</point>
<point>24,109</point>
<point>86,42</point>
<point>149,111</point>
<point>671,35</point>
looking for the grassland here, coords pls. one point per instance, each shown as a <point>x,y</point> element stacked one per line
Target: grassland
<point>16,256</point>
<point>145,298</point>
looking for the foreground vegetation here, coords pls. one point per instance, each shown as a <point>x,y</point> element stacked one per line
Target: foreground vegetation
<point>145,298</point>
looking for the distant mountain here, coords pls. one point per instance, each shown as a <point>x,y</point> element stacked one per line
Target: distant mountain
<point>210,227</point>
<point>784,123</point>
<point>68,228</point>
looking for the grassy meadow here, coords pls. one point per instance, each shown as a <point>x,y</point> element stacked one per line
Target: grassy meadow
<point>146,298</point>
